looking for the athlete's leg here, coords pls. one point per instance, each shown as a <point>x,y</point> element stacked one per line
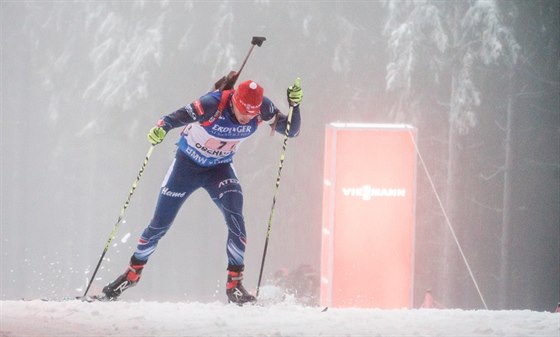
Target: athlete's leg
<point>225,190</point>
<point>181,180</point>
<point>178,184</point>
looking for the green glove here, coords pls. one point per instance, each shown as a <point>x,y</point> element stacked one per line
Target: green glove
<point>295,94</point>
<point>156,135</point>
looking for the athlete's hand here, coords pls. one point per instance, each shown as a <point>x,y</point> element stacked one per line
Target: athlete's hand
<point>295,94</point>
<point>156,134</point>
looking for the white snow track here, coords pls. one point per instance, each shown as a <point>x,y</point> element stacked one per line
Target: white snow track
<point>76,318</point>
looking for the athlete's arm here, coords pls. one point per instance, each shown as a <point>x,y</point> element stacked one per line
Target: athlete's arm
<point>269,112</point>
<point>198,111</point>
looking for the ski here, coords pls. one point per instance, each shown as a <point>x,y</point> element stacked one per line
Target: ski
<point>89,299</point>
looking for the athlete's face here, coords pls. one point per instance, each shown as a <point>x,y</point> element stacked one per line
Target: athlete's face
<point>242,118</point>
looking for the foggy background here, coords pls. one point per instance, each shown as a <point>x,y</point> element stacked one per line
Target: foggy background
<point>83,82</point>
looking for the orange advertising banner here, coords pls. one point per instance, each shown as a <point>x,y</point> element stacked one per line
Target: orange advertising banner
<point>369,192</point>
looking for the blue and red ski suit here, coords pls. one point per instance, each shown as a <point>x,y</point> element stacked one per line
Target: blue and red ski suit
<point>204,157</point>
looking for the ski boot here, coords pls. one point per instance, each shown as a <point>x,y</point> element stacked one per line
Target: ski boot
<point>128,279</point>
<point>235,291</point>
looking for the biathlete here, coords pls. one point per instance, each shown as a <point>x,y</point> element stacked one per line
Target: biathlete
<point>214,127</point>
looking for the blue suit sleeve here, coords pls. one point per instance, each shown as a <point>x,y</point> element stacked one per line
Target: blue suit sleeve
<point>295,123</point>
<point>269,111</point>
<point>198,111</point>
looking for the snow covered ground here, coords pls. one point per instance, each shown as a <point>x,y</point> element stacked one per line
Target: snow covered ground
<point>75,318</point>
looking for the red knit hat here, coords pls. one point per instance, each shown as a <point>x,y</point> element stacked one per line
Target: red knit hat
<point>248,98</point>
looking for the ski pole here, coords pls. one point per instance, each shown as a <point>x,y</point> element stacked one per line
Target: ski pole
<point>269,229</point>
<point>227,82</point>
<point>121,215</point>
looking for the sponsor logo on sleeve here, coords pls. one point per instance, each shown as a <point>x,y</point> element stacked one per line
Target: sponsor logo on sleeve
<point>190,112</point>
